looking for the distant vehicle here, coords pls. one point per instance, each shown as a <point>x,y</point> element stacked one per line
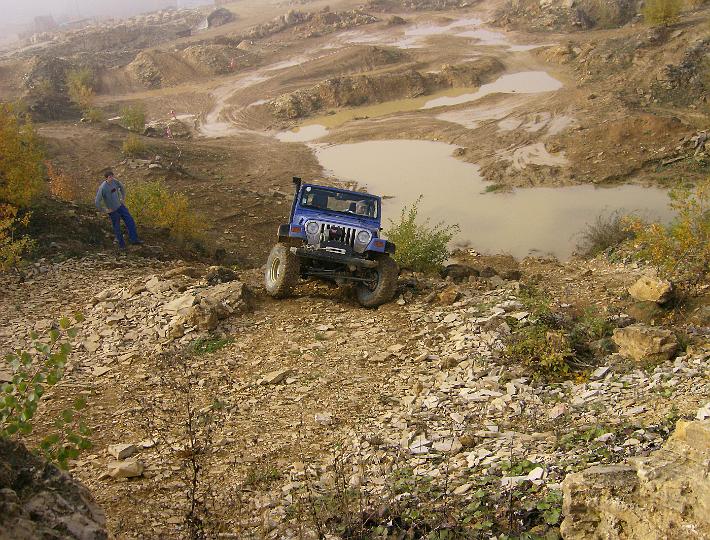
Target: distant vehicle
<point>334,235</point>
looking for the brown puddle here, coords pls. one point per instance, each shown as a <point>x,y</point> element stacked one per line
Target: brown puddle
<point>525,221</point>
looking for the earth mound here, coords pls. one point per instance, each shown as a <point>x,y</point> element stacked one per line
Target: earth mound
<point>351,91</point>
<point>559,15</point>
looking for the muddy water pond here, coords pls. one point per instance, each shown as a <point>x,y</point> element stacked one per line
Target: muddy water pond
<point>522,222</point>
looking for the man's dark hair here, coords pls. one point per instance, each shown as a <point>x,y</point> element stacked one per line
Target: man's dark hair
<point>108,173</point>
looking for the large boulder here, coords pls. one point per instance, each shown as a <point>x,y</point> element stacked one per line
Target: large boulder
<point>651,289</point>
<point>216,303</point>
<point>645,343</point>
<point>661,496</point>
<point>37,500</point>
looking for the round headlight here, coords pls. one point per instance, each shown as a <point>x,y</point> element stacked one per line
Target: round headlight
<point>312,227</point>
<point>363,237</point>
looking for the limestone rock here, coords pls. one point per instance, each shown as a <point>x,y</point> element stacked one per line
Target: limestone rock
<point>220,274</point>
<point>459,272</point>
<point>217,303</point>
<point>664,495</point>
<point>37,500</point>
<point>122,451</point>
<point>650,289</point>
<point>128,468</point>
<point>645,343</point>
<point>646,312</point>
<point>449,295</point>
<point>179,305</point>
<point>276,377</point>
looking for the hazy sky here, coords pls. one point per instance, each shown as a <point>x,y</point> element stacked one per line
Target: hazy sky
<point>22,11</point>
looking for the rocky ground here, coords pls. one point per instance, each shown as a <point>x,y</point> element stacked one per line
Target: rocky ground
<point>214,408</point>
<point>631,107</point>
<point>315,391</point>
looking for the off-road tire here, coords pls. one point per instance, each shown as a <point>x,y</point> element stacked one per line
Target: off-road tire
<point>282,271</point>
<point>387,272</point>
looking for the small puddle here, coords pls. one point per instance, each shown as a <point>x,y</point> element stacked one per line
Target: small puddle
<point>534,220</point>
<point>303,134</point>
<point>524,82</point>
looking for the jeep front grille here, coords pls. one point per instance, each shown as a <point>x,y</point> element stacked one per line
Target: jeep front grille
<point>331,232</point>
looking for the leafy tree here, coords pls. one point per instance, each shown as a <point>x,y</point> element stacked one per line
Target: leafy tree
<point>662,12</point>
<point>21,181</point>
<point>420,246</point>
<point>21,158</point>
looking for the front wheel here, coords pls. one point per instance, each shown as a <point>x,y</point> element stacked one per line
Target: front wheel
<point>381,287</point>
<point>282,269</point>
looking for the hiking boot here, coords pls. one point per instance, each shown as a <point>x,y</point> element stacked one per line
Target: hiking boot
<point>137,243</point>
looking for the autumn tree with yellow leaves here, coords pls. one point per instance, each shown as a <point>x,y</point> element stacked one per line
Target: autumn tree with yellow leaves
<point>21,181</point>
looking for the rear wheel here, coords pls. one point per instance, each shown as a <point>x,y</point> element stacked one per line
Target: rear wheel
<point>381,287</point>
<point>282,269</point>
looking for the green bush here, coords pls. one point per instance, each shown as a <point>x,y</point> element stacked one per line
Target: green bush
<point>420,247</point>
<point>151,203</point>
<point>133,146</point>
<point>662,12</point>
<point>607,231</point>
<point>542,350</point>
<point>133,117</point>
<point>33,372</point>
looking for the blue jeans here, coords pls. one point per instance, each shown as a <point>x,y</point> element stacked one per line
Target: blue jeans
<point>116,216</point>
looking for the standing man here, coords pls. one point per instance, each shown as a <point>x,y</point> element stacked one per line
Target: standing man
<point>109,199</point>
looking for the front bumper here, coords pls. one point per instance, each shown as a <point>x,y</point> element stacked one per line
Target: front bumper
<point>322,255</point>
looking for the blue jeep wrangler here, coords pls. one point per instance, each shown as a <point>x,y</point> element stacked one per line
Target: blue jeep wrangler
<point>333,235</point>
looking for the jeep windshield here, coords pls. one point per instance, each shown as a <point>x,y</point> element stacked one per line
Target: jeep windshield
<point>357,204</point>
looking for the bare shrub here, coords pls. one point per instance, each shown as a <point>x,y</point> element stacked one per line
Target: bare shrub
<point>606,231</point>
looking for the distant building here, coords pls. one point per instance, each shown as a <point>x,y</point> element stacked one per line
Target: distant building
<point>44,23</point>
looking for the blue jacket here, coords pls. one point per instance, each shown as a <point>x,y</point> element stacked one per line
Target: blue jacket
<point>110,196</point>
